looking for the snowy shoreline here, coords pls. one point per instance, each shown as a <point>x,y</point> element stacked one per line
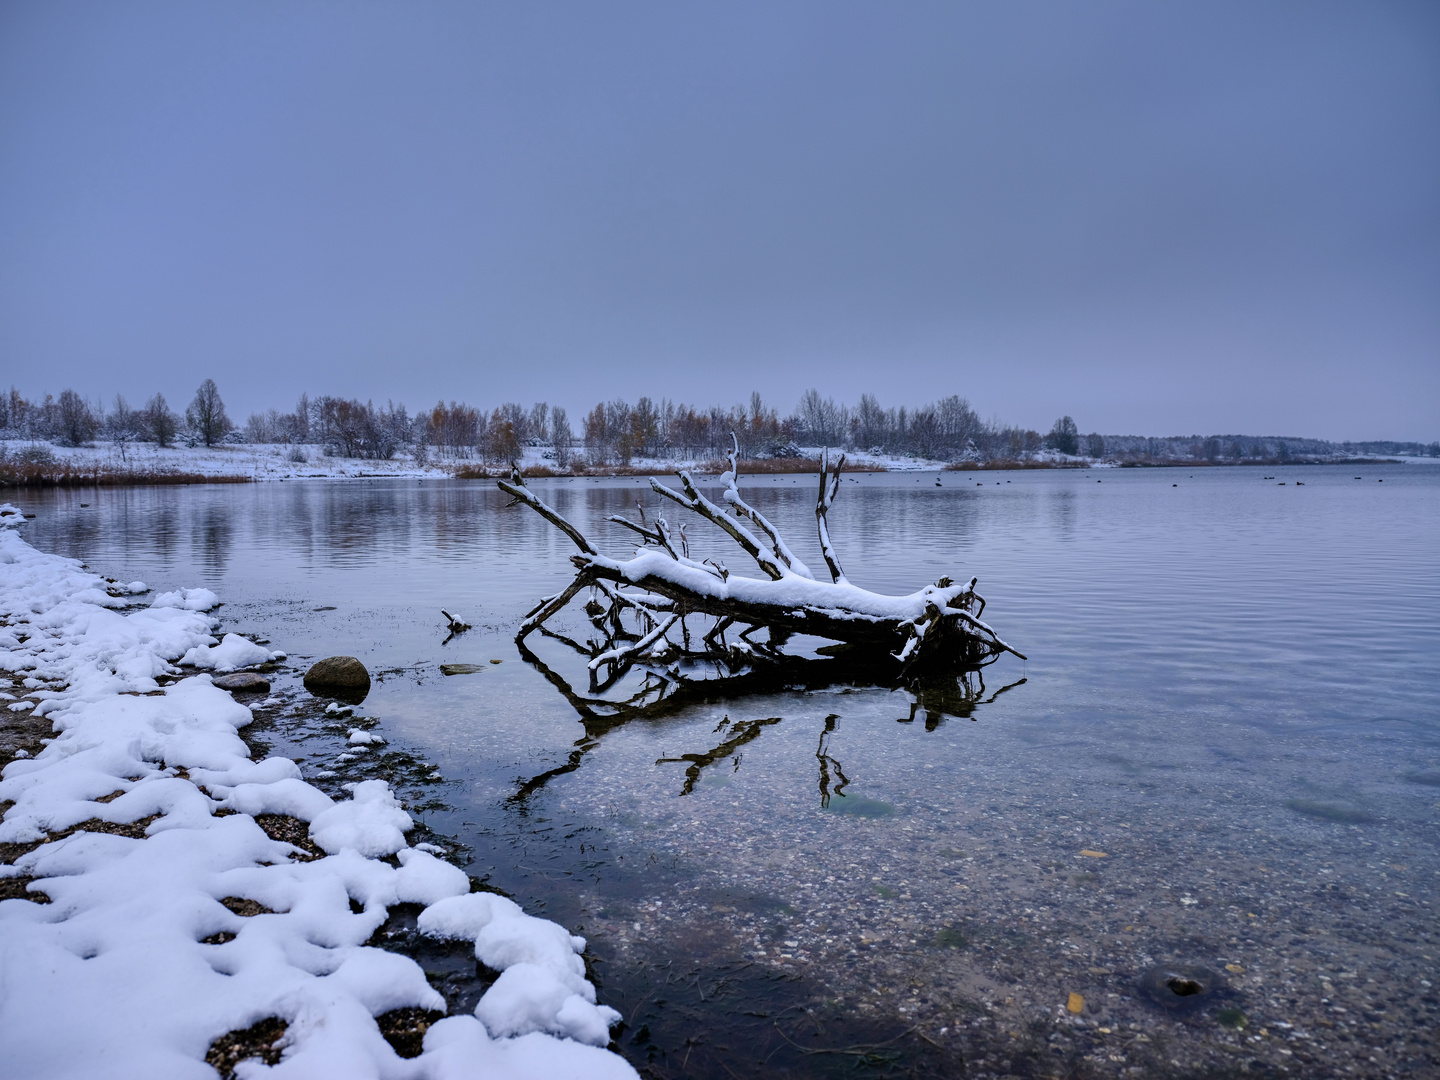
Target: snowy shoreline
<point>144,463</point>
<point>150,914</point>
<point>267,461</point>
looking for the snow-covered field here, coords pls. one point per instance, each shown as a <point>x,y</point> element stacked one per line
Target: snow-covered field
<point>259,461</point>
<point>153,945</point>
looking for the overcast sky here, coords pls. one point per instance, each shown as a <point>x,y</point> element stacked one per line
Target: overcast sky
<point>1158,217</point>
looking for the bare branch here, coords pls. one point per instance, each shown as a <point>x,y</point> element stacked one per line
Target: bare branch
<point>614,656</point>
<point>516,487</point>
<point>554,604</point>
<point>788,558</point>
<point>649,604</point>
<point>716,633</point>
<point>627,523</point>
<point>693,500</point>
<point>829,487</point>
<point>662,529</point>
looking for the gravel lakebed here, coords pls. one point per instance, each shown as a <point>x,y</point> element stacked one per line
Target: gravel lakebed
<point>961,920</point>
<point>988,923</point>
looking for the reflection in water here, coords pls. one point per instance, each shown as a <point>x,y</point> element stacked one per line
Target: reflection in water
<point>827,763</point>
<point>739,734</point>
<point>652,692</point>
<point>956,696</point>
<point>160,537</point>
<point>213,535</point>
<point>1064,506</point>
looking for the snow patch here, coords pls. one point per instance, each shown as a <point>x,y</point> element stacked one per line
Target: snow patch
<point>189,599</point>
<point>136,965</point>
<point>542,985</point>
<point>232,653</point>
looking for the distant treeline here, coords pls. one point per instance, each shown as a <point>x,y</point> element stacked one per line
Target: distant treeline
<point>617,432</point>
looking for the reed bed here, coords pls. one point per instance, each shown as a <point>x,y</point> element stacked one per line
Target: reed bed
<point>19,474</point>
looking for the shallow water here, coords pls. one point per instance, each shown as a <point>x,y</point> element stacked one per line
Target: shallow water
<point>1218,768</point>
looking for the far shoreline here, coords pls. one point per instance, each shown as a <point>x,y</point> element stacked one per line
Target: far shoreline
<point>66,474</point>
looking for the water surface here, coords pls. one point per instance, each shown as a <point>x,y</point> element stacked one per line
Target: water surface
<point>1220,763</point>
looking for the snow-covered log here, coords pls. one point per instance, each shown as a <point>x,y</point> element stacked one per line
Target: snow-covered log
<point>935,628</point>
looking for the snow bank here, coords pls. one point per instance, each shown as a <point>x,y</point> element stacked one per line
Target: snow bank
<point>542,986</point>
<point>115,978</point>
<point>188,599</point>
<point>233,652</point>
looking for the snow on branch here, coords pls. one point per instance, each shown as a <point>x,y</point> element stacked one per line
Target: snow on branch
<point>783,553</point>
<point>657,589</point>
<point>829,488</point>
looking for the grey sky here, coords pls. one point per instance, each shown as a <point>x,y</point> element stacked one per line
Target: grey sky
<point>1157,217</point>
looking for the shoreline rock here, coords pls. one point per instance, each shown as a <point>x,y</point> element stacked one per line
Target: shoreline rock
<point>243,681</point>
<point>338,676</point>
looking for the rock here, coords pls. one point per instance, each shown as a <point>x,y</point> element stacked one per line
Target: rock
<point>344,674</point>
<point>244,680</point>
<point>1184,987</point>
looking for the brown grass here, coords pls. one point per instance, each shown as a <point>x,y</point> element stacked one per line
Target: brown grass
<point>767,466</point>
<point>500,472</point>
<point>1010,463</point>
<point>60,474</point>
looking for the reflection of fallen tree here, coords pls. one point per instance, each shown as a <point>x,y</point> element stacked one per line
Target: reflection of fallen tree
<point>740,734</point>
<point>649,662</point>
<point>822,754</point>
<point>662,693</point>
<point>957,697</point>
<point>933,630</point>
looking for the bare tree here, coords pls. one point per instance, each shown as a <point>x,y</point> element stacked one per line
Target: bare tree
<point>597,440</point>
<point>1064,436</point>
<point>959,424</point>
<point>301,425</point>
<point>824,421</point>
<point>539,421</point>
<point>77,421</point>
<point>504,435</point>
<point>159,421</point>
<point>122,425</point>
<point>561,437</point>
<point>206,414</point>
<point>924,432</point>
<point>870,423</point>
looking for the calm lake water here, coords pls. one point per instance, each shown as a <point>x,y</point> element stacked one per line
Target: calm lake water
<point>1195,834</point>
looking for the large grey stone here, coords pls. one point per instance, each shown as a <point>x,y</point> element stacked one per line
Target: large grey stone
<point>243,680</point>
<point>338,673</point>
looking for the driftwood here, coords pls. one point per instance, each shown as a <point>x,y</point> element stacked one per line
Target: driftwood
<point>457,626</point>
<point>641,605</point>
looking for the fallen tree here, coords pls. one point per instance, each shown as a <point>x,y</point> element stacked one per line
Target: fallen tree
<point>660,587</point>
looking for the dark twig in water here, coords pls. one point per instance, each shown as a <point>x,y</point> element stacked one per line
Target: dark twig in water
<point>861,1050</point>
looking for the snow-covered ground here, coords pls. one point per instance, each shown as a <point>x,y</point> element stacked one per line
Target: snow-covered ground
<point>266,461</point>
<point>259,461</point>
<point>269,461</point>
<point>153,945</point>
